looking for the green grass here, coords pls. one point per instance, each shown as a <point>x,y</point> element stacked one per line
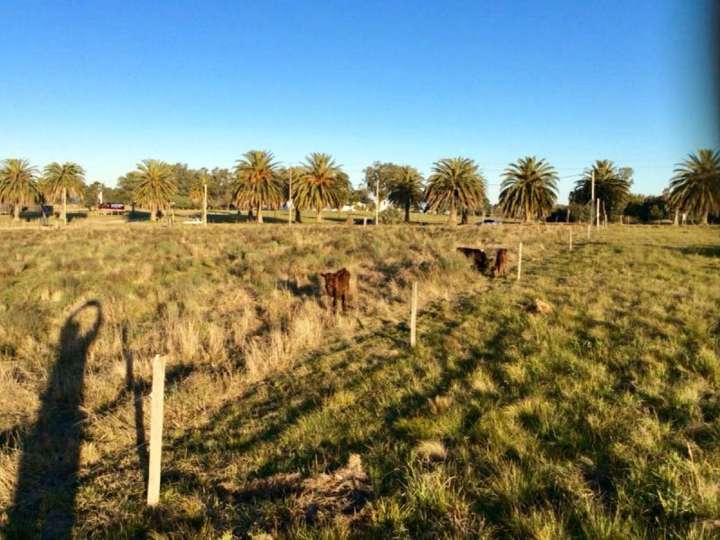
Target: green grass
<point>598,420</point>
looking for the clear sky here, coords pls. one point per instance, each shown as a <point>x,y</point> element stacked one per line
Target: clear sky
<point>109,83</point>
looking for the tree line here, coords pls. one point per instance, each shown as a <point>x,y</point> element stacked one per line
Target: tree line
<point>455,187</point>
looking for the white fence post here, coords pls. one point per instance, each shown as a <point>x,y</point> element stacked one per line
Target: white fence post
<point>519,261</point>
<point>156,428</point>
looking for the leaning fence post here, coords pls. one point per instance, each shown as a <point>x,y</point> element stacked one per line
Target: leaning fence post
<point>156,427</point>
<point>413,314</point>
<point>519,260</point>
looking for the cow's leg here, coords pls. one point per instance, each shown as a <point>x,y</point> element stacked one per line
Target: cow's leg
<point>334,303</point>
<point>343,303</point>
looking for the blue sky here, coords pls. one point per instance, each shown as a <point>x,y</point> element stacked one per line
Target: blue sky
<point>107,83</point>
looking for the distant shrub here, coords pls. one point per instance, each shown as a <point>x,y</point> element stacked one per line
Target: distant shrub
<point>391,216</point>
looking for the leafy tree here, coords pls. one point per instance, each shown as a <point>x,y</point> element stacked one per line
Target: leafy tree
<point>92,194</point>
<point>455,182</point>
<point>379,175</point>
<point>612,186</point>
<point>126,189</point>
<point>571,213</point>
<point>529,189</point>
<point>197,190</point>
<point>322,183</point>
<point>155,185</point>
<point>18,185</point>
<point>221,187</point>
<point>360,196</point>
<point>258,182</point>
<point>646,208</point>
<point>60,181</point>
<point>695,187</point>
<point>405,189</point>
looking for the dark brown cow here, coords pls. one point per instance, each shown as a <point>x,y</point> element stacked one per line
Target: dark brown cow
<point>501,262</point>
<point>477,255</point>
<point>337,285</point>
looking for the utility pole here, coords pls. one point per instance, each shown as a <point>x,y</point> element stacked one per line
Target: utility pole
<point>290,201</point>
<point>592,196</point>
<point>205,203</point>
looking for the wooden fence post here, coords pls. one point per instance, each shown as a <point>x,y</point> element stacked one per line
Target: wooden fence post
<point>519,261</point>
<point>413,314</point>
<point>570,239</point>
<point>156,427</point>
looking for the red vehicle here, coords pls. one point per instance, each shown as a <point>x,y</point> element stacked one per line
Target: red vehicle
<point>111,208</point>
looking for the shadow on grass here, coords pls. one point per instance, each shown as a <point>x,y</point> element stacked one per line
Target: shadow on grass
<point>705,251</point>
<point>47,483</point>
<point>311,290</point>
<point>138,215</point>
<point>226,218</point>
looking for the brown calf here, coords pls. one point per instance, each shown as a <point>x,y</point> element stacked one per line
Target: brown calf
<point>477,255</point>
<point>501,262</point>
<point>337,285</point>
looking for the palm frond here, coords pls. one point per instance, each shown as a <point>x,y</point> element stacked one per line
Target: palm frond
<point>529,188</point>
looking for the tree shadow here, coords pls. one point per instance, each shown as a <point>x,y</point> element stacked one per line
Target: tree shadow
<point>138,215</point>
<point>47,478</point>
<point>705,251</point>
<point>72,216</point>
<point>229,217</point>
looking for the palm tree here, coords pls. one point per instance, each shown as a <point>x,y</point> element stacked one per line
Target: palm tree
<point>18,186</point>
<point>155,185</point>
<point>322,183</point>
<point>406,189</point>
<point>529,188</point>
<point>455,182</point>
<point>59,181</point>
<point>612,185</point>
<point>258,182</point>
<point>695,188</point>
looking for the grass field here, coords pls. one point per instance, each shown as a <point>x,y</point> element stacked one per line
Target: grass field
<point>600,419</point>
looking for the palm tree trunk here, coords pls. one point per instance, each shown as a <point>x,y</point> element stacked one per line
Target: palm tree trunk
<point>64,201</point>
<point>704,218</point>
<point>153,213</point>
<point>298,216</point>
<point>452,214</point>
<point>259,214</point>
<point>16,211</point>
<point>464,217</point>
<point>318,217</point>
<point>677,217</point>
<point>407,211</point>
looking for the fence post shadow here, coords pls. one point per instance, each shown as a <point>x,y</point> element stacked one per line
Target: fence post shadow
<point>134,388</point>
<point>47,477</point>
